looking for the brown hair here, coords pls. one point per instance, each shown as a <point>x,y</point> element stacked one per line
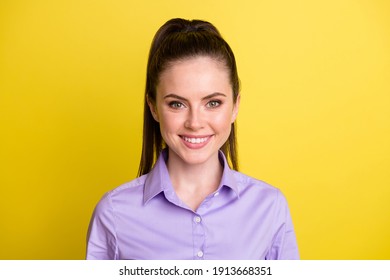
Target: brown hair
<point>179,39</point>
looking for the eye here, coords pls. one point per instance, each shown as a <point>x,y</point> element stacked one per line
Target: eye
<point>176,105</point>
<point>213,103</point>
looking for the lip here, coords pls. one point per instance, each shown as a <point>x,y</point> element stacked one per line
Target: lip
<point>200,142</point>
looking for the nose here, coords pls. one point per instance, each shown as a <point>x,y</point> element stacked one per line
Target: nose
<point>194,119</point>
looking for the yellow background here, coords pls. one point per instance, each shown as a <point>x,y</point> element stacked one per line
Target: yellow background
<point>314,118</point>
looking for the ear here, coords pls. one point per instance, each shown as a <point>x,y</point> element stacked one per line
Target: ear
<point>153,109</point>
<point>235,108</point>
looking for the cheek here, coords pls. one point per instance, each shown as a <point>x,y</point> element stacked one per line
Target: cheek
<point>223,122</point>
<point>169,122</point>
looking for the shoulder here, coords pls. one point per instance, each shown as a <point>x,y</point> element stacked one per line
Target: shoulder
<point>245,181</point>
<point>122,195</point>
<point>133,186</point>
<point>255,187</point>
<point>263,196</point>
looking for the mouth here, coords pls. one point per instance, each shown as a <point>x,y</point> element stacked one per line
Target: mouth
<point>195,140</point>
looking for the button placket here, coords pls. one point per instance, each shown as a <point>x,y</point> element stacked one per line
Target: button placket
<point>199,236</point>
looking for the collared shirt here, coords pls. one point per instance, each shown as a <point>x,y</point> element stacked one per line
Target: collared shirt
<point>144,219</point>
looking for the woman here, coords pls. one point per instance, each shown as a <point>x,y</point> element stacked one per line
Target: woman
<point>190,204</point>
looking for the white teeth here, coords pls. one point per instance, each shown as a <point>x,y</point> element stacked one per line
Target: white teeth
<point>195,140</point>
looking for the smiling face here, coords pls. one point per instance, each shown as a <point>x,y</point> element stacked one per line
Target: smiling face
<point>195,109</point>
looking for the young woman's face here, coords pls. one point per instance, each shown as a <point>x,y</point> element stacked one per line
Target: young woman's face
<point>195,109</point>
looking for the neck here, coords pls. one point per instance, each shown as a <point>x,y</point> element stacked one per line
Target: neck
<point>194,182</point>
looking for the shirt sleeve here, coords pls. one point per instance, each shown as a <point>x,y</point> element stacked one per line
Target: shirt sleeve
<point>284,244</point>
<point>101,237</point>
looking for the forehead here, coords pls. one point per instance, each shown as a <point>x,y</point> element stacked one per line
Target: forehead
<point>194,73</point>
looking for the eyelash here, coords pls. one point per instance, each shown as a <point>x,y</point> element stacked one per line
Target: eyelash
<point>176,105</point>
<point>217,103</point>
<point>179,105</point>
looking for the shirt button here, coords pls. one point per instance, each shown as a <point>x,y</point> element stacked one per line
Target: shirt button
<point>200,254</point>
<point>197,219</point>
<point>216,194</point>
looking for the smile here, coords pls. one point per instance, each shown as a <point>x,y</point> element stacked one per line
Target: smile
<point>195,140</point>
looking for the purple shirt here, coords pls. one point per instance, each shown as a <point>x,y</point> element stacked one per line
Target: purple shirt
<point>144,219</point>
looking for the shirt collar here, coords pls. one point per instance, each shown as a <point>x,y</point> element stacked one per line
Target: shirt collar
<point>228,178</point>
<point>158,180</point>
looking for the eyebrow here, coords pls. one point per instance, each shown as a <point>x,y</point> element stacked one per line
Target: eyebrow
<point>172,95</point>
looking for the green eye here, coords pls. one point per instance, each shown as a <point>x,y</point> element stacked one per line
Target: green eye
<point>176,105</point>
<point>213,103</point>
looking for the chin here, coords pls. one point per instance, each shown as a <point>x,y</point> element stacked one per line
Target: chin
<point>196,158</point>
